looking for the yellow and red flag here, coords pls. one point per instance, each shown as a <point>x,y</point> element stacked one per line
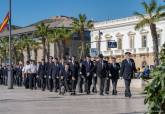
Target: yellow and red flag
<point>5,22</point>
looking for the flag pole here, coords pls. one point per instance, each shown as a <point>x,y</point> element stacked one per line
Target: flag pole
<point>10,77</point>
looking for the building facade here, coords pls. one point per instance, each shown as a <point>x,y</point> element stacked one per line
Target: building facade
<point>72,46</point>
<point>138,42</point>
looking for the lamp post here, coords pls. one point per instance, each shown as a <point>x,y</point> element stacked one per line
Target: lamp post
<point>99,42</point>
<point>10,77</point>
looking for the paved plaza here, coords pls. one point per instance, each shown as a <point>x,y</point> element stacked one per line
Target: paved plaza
<point>21,101</point>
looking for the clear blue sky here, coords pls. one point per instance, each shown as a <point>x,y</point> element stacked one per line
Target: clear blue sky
<point>26,12</point>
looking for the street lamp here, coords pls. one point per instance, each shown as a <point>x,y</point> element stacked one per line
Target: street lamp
<point>10,77</point>
<point>99,42</point>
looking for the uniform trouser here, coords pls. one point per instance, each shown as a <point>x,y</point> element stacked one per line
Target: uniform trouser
<point>38,81</point>
<point>26,81</point>
<point>55,83</point>
<point>88,83</point>
<point>81,81</point>
<point>1,80</point>
<point>34,80</point>
<point>114,84</point>
<point>19,81</point>
<point>127,87</point>
<point>107,85</point>
<point>43,83</point>
<point>5,80</point>
<point>101,81</point>
<point>31,81</point>
<point>74,84</point>
<point>50,84</point>
<point>67,85</point>
<point>94,82</point>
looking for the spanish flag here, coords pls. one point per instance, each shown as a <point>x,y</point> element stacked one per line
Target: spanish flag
<point>5,22</point>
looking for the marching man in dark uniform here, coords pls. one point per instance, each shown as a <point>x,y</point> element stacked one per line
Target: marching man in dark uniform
<point>81,78</point>
<point>88,76</point>
<point>74,66</point>
<point>55,74</point>
<point>42,74</point>
<point>114,68</point>
<point>49,80</point>
<point>128,69</point>
<point>94,78</point>
<point>101,70</point>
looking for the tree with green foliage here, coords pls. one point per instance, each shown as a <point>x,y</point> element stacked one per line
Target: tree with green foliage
<point>153,13</point>
<point>156,89</point>
<point>43,31</point>
<point>79,25</point>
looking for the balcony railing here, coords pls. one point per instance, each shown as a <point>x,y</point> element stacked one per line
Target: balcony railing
<point>118,52</point>
<point>143,50</point>
<point>107,53</point>
<point>133,51</point>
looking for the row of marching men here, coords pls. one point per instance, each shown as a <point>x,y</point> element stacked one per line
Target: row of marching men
<point>83,75</point>
<point>65,75</point>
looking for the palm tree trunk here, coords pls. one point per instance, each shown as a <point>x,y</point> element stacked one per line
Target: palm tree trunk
<point>58,49</point>
<point>22,57</point>
<point>55,54</point>
<point>28,53</point>
<point>44,48</point>
<point>62,45</point>
<point>48,50</point>
<point>82,55</point>
<point>35,54</point>
<point>155,44</point>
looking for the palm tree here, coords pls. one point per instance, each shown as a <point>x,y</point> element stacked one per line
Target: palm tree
<point>35,46</point>
<point>153,14</point>
<point>54,38</point>
<point>4,48</point>
<point>79,26</point>
<point>42,31</point>
<point>64,35</point>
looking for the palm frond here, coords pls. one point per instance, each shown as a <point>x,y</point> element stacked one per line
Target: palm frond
<point>146,7</point>
<point>142,23</point>
<point>140,15</point>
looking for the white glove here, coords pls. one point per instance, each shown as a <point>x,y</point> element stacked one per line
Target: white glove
<point>45,76</point>
<point>80,72</point>
<point>49,77</point>
<point>94,75</point>
<point>88,74</point>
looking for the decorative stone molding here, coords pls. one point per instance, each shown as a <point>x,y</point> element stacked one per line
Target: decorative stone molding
<point>119,35</point>
<point>96,37</point>
<point>131,33</point>
<point>159,30</point>
<point>144,31</point>
<point>107,36</point>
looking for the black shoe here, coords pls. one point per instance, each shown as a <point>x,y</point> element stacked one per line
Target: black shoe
<point>101,94</point>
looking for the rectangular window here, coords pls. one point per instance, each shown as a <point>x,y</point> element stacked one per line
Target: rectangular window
<point>144,41</point>
<point>132,41</point>
<point>159,40</point>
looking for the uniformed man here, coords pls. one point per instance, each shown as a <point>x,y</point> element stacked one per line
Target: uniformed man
<point>81,77</point>
<point>128,68</point>
<point>55,74</point>
<point>114,69</point>
<point>94,78</point>
<point>101,70</point>
<point>42,74</point>
<point>33,74</point>
<point>49,80</point>
<point>88,75</point>
<point>74,66</point>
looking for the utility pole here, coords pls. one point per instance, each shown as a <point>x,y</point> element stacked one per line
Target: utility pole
<point>10,76</point>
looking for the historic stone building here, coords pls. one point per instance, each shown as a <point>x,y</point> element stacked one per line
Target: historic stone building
<point>72,47</point>
<point>139,42</point>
